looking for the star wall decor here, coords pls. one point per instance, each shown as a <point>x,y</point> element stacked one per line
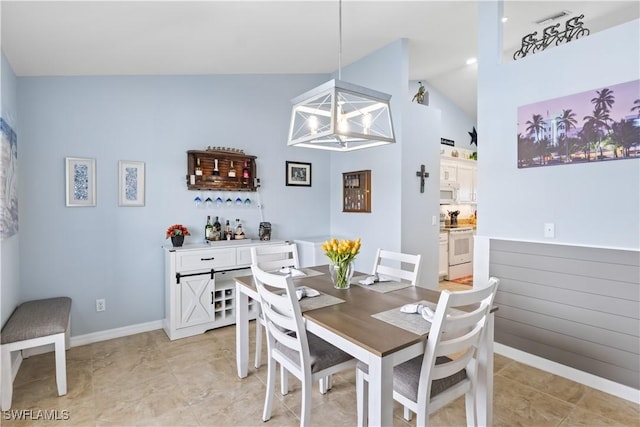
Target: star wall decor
<point>474,136</point>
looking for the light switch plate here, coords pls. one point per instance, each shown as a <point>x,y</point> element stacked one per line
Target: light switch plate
<point>549,230</point>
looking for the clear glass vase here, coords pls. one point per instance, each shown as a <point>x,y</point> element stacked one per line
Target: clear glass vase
<point>341,274</point>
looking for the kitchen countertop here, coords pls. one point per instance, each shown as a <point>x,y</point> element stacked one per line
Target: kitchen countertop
<point>461,226</point>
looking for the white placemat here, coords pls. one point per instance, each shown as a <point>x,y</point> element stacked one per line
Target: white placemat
<point>307,272</point>
<point>412,322</point>
<point>382,287</point>
<point>322,300</point>
<point>310,272</point>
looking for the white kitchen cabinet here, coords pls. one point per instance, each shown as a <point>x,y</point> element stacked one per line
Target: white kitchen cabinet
<point>448,172</point>
<point>200,289</point>
<point>443,258</point>
<point>467,183</point>
<point>460,174</point>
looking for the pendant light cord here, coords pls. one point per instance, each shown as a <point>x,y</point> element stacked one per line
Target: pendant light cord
<point>340,40</point>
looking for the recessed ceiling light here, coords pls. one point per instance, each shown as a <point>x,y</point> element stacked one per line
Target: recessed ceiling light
<point>504,19</point>
<point>471,61</point>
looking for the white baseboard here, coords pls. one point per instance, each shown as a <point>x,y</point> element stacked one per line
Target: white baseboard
<point>590,380</point>
<point>97,337</point>
<point>115,333</point>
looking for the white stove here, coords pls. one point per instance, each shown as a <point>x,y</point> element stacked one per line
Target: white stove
<point>460,252</point>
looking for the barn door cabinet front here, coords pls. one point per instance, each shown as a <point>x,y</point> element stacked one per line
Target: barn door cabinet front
<point>200,287</point>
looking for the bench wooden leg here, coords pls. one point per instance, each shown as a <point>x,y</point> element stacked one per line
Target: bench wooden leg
<point>61,364</point>
<point>6,377</point>
<point>6,369</point>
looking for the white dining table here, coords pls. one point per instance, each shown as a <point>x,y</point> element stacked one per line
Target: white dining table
<point>349,325</point>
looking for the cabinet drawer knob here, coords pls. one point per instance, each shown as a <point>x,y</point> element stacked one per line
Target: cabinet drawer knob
<point>207,259</point>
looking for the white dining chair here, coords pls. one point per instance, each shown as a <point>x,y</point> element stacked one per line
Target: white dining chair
<point>448,368</point>
<point>298,352</point>
<point>397,266</point>
<point>271,258</point>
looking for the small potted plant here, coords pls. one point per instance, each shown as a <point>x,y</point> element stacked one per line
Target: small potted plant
<point>177,233</point>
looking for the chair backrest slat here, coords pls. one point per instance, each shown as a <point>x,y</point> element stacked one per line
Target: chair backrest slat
<point>275,257</point>
<point>396,265</point>
<point>447,369</point>
<point>281,321</point>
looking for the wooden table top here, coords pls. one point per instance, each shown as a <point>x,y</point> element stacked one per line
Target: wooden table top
<point>352,319</point>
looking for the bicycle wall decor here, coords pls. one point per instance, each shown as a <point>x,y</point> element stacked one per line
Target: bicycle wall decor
<point>551,36</point>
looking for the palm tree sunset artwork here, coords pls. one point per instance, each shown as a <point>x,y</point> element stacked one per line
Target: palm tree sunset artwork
<point>597,125</point>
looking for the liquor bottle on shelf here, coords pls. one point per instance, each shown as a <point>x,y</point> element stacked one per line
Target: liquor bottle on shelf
<point>217,229</point>
<point>245,173</point>
<point>208,229</point>
<point>216,171</point>
<point>198,169</point>
<point>232,170</point>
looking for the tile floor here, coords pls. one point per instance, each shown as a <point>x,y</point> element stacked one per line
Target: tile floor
<point>148,380</point>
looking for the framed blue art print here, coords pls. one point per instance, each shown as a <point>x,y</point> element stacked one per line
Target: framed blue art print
<point>80,181</point>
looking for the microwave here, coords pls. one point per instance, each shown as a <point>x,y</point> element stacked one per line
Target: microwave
<point>448,192</point>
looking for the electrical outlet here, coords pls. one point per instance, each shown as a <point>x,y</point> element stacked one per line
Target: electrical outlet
<point>549,230</point>
<point>101,304</point>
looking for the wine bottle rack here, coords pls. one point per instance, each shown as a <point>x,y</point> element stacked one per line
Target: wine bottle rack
<point>210,180</point>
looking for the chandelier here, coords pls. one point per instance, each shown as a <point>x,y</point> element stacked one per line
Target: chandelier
<point>341,116</point>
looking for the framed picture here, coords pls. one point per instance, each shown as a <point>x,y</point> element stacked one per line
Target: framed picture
<point>298,174</point>
<point>130,183</point>
<point>80,181</point>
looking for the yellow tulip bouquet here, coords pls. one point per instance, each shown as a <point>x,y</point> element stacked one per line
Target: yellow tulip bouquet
<point>341,253</point>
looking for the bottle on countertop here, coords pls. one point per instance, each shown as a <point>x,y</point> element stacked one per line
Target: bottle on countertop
<point>217,229</point>
<point>208,229</point>
<point>198,171</point>
<point>239,232</point>
<point>216,171</point>
<point>232,170</point>
<point>228,235</point>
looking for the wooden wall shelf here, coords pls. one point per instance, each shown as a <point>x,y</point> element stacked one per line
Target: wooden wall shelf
<point>221,181</point>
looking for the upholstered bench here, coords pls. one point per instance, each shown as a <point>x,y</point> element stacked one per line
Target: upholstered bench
<point>32,324</point>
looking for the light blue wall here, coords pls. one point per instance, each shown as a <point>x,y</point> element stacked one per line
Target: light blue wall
<point>384,71</point>
<point>9,248</point>
<point>115,252</point>
<point>400,218</point>
<point>591,204</point>
<point>421,145</point>
<point>455,123</point>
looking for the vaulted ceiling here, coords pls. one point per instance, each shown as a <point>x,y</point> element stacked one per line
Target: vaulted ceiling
<point>71,38</point>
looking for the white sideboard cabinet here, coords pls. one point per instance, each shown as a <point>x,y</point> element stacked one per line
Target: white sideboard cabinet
<point>200,290</point>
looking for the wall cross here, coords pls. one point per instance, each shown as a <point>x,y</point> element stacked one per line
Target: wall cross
<point>422,175</point>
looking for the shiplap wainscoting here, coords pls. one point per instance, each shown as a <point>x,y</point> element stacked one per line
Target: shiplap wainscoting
<point>577,306</point>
